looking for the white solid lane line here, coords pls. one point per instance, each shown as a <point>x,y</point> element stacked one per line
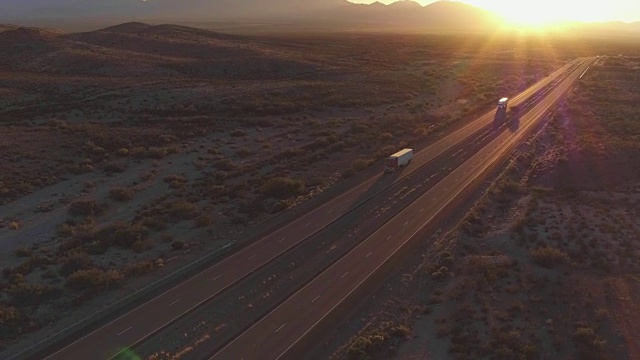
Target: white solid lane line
<point>125,330</point>
<point>280,328</point>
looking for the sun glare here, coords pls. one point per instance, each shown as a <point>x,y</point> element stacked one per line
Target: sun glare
<point>539,13</point>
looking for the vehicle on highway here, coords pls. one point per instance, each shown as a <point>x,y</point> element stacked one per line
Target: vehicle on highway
<point>501,112</point>
<point>399,159</point>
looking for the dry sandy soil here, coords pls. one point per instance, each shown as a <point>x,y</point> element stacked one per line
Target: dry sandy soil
<point>545,264</point>
<point>133,150</point>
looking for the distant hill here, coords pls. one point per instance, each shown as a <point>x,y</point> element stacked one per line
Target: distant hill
<point>138,49</point>
<point>165,9</point>
<point>7,27</point>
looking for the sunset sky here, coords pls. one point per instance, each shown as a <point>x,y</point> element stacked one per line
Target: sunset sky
<point>541,11</point>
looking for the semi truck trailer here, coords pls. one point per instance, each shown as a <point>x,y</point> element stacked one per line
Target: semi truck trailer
<point>397,160</point>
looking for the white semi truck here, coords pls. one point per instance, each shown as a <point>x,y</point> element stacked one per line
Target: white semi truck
<point>501,112</point>
<point>399,159</point>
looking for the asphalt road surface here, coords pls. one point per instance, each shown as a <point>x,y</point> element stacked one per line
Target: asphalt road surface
<point>279,331</point>
<point>143,321</point>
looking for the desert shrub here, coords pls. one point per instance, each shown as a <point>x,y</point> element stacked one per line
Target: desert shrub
<point>282,187</point>
<point>161,152</point>
<point>360,164</point>
<point>381,338</point>
<point>153,222</point>
<point>224,164</point>
<point>588,343</point>
<point>77,169</point>
<point>115,167</point>
<point>238,133</point>
<point>279,206</point>
<point>203,220</point>
<point>153,152</point>
<point>385,136</point>
<point>440,273</point>
<point>244,151</point>
<point>359,349</point>
<point>177,245</point>
<point>23,252</point>
<point>547,256</point>
<point>121,194</point>
<point>85,208</point>
<point>175,178</point>
<point>122,234</point>
<point>23,294</point>
<point>141,246</point>
<point>182,210</point>
<point>359,128</point>
<point>93,279</point>
<point>419,132</point>
<point>75,261</point>
<point>252,207</point>
<point>139,268</point>
<point>338,146</point>
<point>11,320</point>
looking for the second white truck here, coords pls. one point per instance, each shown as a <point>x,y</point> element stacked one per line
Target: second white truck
<point>399,159</point>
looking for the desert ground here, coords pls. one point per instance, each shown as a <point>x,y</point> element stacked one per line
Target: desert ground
<point>130,152</point>
<point>545,264</point>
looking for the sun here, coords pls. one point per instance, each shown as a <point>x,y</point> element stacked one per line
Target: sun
<point>538,13</point>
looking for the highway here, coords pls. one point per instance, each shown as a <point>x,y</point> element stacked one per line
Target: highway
<point>280,333</point>
<point>145,320</point>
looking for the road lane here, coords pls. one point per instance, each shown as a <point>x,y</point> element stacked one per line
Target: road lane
<point>336,283</point>
<point>161,311</point>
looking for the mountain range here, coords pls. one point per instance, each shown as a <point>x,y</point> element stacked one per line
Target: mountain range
<point>404,13</point>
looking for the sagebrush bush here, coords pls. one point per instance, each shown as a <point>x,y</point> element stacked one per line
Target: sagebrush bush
<point>85,208</point>
<point>282,187</point>
<point>121,234</point>
<point>360,164</point>
<point>74,261</point>
<point>177,245</point>
<point>547,256</point>
<point>121,194</point>
<point>94,279</point>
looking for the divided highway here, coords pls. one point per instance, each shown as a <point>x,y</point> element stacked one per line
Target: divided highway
<point>280,333</point>
<point>157,313</point>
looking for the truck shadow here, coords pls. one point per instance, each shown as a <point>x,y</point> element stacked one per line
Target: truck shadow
<point>514,125</point>
<point>380,183</point>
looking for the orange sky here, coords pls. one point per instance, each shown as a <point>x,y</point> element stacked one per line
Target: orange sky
<point>543,11</point>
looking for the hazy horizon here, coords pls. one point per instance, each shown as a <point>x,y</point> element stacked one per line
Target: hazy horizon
<point>538,11</point>
<point>469,15</point>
